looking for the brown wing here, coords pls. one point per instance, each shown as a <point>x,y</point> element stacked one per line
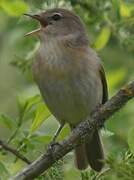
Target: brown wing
<point>104,83</point>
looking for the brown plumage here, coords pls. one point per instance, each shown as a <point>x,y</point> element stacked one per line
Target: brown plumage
<point>70,77</point>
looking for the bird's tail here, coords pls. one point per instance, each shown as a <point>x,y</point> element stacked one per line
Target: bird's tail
<point>90,153</point>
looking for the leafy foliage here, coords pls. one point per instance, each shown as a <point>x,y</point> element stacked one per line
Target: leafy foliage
<point>25,121</point>
<point>14,8</point>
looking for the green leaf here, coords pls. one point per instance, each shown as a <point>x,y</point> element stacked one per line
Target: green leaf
<point>131,139</point>
<point>103,38</point>
<point>116,7</point>
<point>42,113</point>
<point>26,102</point>
<point>106,133</point>
<point>65,131</point>
<point>119,74</point>
<point>126,9</point>
<point>7,121</point>
<point>30,102</point>
<point>15,167</point>
<point>14,7</point>
<point>3,169</point>
<point>42,138</point>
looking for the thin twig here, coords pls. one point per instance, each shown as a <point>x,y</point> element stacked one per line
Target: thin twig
<point>14,152</point>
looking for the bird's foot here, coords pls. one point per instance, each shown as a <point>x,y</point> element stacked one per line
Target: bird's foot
<point>53,145</point>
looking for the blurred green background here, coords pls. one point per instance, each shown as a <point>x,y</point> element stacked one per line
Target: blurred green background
<point>25,122</point>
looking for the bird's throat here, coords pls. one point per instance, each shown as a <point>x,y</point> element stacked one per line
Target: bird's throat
<point>54,54</point>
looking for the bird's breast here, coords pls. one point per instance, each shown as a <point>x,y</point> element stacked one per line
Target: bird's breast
<point>69,86</point>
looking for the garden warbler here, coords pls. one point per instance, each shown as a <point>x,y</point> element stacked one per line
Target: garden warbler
<point>70,77</point>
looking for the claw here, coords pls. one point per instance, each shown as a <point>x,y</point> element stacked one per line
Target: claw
<point>53,145</point>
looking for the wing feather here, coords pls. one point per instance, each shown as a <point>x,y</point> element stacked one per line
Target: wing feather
<point>104,83</point>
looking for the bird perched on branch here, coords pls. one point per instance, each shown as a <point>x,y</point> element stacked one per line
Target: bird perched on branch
<point>70,77</point>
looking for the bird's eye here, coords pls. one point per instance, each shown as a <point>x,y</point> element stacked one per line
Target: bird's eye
<point>56,16</point>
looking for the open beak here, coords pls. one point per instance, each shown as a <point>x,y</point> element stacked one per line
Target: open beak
<point>38,18</point>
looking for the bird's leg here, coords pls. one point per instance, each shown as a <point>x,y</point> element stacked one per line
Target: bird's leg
<point>57,132</point>
<point>53,142</point>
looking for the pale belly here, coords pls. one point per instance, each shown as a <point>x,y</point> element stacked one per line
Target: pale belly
<point>72,100</point>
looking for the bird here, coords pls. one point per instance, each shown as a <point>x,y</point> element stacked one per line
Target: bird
<point>70,77</point>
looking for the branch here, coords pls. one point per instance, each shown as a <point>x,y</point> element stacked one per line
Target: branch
<point>83,131</point>
<point>14,152</point>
